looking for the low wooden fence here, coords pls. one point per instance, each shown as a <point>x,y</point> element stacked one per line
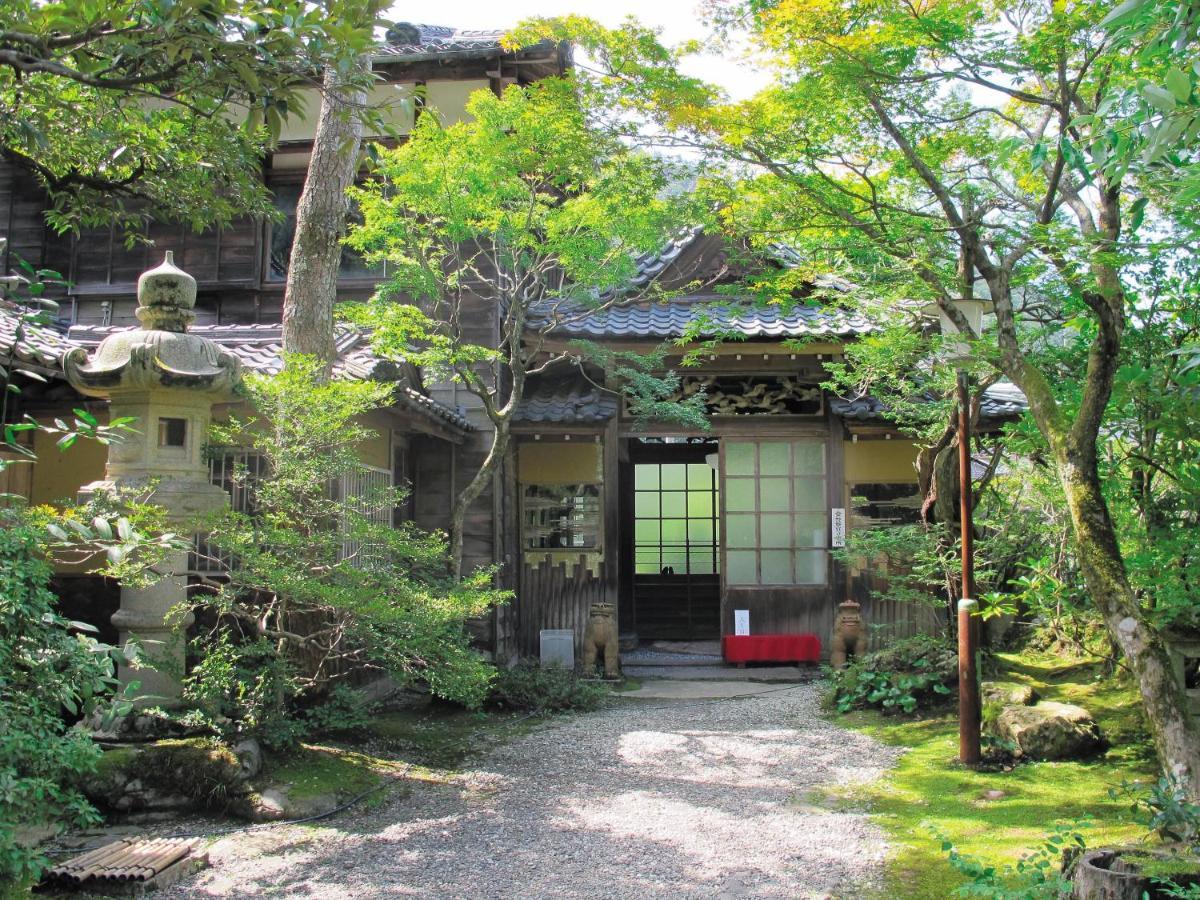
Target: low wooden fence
<point>553,596</point>
<point>892,620</point>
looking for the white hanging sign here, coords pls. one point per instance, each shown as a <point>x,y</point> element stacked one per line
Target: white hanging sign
<point>838,530</point>
<point>741,621</point>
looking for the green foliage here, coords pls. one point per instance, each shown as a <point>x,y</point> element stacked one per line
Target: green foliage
<point>651,390</point>
<point>344,711</point>
<point>1178,892</point>
<point>1163,808</point>
<point>241,690</point>
<point>927,787</point>
<point>1036,876</point>
<point>181,99</point>
<point>543,689</point>
<point>916,567</point>
<point>896,367</point>
<point>920,150</point>
<point>1152,461</point>
<point>910,674</point>
<point>1159,103</point>
<point>317,579</point>
<point>524,214</point>
<point>524,183</point>
<point>50,669</point>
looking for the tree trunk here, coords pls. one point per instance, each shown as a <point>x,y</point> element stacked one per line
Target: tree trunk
<point>321,217</point>
<point>462,503</point>
<point>1175,732</point>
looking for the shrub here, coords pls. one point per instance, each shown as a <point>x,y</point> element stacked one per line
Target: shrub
<point>246,689</point>
<point>910,674</point>
<point>315,580</point>
<point>1164,809</point>
<point>344,711</point>
<point>545,689</point>
<point>47,671</point>
<point>1036,876</point>
<point>239,690</point>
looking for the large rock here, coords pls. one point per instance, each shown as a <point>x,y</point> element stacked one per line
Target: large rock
<point>195,773</point>
<point>1050,731</point>
<point>279,803</point>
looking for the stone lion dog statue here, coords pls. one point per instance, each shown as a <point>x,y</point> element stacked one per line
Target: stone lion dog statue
<point>848,637</point>
<point>601,636</point>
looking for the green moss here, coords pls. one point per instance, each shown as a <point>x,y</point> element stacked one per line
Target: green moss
<point>1164,867</point>
<point>928,789</point>
<point>626,685</point>
<point>444,738</point>
<point>115,762</point>
<point>200,768</point>
<point>320,770</point>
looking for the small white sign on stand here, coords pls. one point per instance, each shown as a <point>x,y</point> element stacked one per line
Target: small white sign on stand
<point>838,527</point>
<point>741,621</point>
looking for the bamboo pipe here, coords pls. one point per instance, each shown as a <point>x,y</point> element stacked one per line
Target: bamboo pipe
<point>96,861</point>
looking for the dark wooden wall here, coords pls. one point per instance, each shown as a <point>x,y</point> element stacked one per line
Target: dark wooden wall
<point>22,221</point>
<point>556,595</point>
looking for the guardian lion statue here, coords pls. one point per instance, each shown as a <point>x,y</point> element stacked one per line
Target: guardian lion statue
<point>848,637</point>
<point>601,636</point>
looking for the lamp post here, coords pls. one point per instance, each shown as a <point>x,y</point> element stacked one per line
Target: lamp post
<point>969,712</point>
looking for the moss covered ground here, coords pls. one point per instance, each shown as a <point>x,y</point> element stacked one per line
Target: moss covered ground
<point>315,770</point>
<point>431,743</point>
<point>928,790</point>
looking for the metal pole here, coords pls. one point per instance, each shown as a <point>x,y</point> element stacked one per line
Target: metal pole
<point>969,716</point>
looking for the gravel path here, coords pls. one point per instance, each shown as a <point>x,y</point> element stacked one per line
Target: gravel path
<point>710,799</point>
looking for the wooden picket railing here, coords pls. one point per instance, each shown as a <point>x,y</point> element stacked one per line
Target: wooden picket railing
<point>551,596</point>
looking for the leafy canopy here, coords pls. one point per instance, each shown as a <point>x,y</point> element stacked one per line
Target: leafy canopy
<point>127,109</point>
<point>526,185</point>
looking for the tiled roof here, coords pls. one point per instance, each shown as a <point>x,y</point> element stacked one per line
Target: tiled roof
<point>567,403</point>
<point>416,41</point>
<point>651,265</point>
<point>39,349</point>
<point>260,348</point>
<point>1000,401</point>
<point>715,315</point>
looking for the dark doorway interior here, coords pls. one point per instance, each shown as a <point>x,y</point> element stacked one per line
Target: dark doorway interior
<point>673,556</point>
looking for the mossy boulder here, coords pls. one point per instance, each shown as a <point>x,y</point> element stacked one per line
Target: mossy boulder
<point>1047,731</point>
<point>1001,694</point>
<point>196,773</point>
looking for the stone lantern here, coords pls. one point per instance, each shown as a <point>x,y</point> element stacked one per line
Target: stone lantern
<point>166,380</point>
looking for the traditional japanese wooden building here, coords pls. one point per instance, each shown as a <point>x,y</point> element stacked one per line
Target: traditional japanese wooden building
<point>679,529</point>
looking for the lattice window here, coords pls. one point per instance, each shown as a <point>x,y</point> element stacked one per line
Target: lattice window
<point>235,471</point>
<point>776,512</point>
<point>561,516</point>
<point>362,491</point>
<point>675,512</point>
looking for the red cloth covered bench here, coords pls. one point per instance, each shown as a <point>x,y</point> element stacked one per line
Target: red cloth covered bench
<point>744,648</point>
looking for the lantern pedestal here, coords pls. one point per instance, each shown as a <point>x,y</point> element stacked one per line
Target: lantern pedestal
<point>167,381</point>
